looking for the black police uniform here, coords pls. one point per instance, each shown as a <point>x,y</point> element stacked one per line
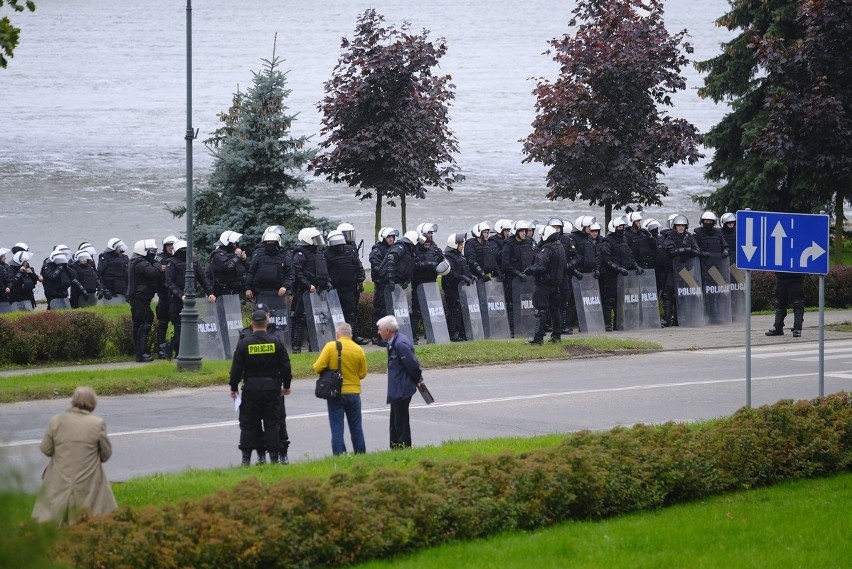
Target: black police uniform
<point>643,245</point>
<point>227,271</point>
<point>88,277</point>
<point>377,257</point>
<point>347,276</point>
<point>679,246</point>
<point>160,262</point>
<point>585,264</point>
<point>549,270</point>
<point>143,278</point>
<point>616,258</point>
<point>58,278</point>
<point>461,271</point>
<point>112,270</point>
<point>175,277</point>
<point>310,269</point>
<point>22,280</point>
<point>789,289</point>
<point>516,256</point>
<point>426,260</point>
<point>262,364</point>
<point>484,254</point>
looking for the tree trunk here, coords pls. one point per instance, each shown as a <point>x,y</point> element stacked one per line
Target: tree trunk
<point>378,215</point>
<point>402,211</point>
<point>607,217</point>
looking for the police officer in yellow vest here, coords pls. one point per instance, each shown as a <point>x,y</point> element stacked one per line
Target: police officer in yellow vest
<point>262,364</point>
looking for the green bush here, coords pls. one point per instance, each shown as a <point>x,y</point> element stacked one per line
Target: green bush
<point>353,517</point>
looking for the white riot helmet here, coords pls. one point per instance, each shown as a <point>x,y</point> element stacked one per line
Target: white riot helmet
<point>386,232</point>
<point>709,216</point>
<point>568,227</point>
<point>3,251</point>
<point>272,236</point>
<point>81,256</point>
<point>728,218</point>
<point>311,236</point>
<point>443,268</point>
<point>502,225</point>
<point>180,245</point>
<point>145,247</point>
<point>611,226</point>
<point>670,220</point>
<point>169,240</point>
<point>456,239</point>
<point>619,221</point>
<point>348,231</point>
<point>549,233</point>
<point>479,228</point>
<point>275,229</point>
<point>427,227</point>
<point>58,257</point>
<point>21,257</point>
<point>228,237</point>
<point>21,246</point>
<point>88,248</point>
<point>413,237</point>
<point>537,233</point>
<point>634,217</point>
<point>65,249</point>
<point>680,220</point>
<point>521,224</point>
<point>556,221</point>
<point>336,238</point>
<point>594,226</point>
<point>117,245</point>
<point>650,224</point>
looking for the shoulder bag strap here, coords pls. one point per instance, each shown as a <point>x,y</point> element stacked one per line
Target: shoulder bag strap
<point>339,354</point>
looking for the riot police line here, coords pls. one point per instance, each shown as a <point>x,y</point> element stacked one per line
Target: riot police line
<point>521,279</point>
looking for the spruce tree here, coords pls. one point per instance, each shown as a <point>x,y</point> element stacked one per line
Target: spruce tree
<point>257,168</point>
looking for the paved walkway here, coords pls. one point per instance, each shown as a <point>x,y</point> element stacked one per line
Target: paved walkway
<point>675,338</point>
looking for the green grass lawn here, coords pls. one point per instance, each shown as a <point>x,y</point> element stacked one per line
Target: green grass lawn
<point>162,375</point>
<point>804,524</point>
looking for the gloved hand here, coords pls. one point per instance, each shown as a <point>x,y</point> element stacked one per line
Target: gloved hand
<point>528,270</point>
<point>99,294</point>
<point>725,254</point>
<point>107,295</point>
<point>578,275</point>
<point>85,294</point>
<point>705,254</point>
<point>467,280</point>
<point>391,283</point>
<point>486,278</point>
<point>328,286</point>
<point>596,274</point>
<point>639,270</point>
<point>622,271</point>
<point>522,276</point>
<point>80,288</point>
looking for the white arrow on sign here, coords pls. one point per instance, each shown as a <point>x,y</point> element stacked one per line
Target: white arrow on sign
<point>814,252</point>
<point>749,247</point>
<point>779,234</point>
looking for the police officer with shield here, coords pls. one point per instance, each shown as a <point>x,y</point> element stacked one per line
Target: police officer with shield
<point>549,270</point>
<point>143,278</point>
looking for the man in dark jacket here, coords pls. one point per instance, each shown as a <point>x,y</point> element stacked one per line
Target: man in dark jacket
<point>549,270</point>
<point>616,259</point>
<point>270,271</point>
<point>517,255</point>
<point>404,375</point>
<point>262,365</point>
<point>176,284</point>
<point>143,279</point>
<point>310,271</point>
<point>346,275</point>
<point>679,244</point>
<point>112,267</point>
<point>228,265</point>
<point>387,237</point>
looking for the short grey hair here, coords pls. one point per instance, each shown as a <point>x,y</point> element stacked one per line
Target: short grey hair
<point>344,329</point>
<point>388,323</point>
<point>84,398</point>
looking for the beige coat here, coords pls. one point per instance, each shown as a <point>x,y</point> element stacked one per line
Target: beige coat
<point>74,481</point>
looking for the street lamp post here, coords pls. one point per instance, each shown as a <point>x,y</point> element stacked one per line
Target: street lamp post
<point>189,356</point>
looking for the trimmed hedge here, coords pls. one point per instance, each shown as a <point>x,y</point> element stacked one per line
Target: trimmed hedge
<point>354,517</point>
<point>57,335</point>
<point>838,289</point>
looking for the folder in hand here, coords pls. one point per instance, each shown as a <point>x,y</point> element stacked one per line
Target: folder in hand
<point>424,391</point>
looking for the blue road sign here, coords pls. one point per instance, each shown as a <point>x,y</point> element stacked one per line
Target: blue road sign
<point>784,242</point>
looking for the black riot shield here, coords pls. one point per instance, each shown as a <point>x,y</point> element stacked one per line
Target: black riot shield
<point>211,346</point>
<point>471,312</point>
<point>688,292</point>
<point>715,276</point>
<point>230,321</point>
<point>432,310</point>
<point>522,307</point>
<point>279,315</point>
<point>333,299</point>
<point>398,304</point>
<point>737,281</point>
<point>319,323</point>
<point>628,307</point>
<point>492,303</point>
<point>587,297</point>
<point>115,299</point>
<point>648,301</point>
<point>59,304</point>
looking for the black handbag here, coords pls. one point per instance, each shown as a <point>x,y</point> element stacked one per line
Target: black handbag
<point>330,381</point>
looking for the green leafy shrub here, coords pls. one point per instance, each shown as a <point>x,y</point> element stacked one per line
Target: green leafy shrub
<point>353,517</point>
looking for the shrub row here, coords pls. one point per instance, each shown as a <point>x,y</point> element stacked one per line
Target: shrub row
<point>838,289</point>
<point>353,517</point>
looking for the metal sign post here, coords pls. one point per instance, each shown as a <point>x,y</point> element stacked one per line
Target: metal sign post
<point>784,243</point>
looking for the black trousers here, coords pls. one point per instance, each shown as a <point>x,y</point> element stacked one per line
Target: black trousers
<point>283,438</point>
<point>259,420</point>
<point>400,428</point>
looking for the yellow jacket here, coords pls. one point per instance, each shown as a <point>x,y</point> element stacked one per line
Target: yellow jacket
<point>353,360</point>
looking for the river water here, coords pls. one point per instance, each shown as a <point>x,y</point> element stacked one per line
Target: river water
<point>92,107</point>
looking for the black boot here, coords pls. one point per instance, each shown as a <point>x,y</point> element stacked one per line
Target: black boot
<point>246,458</point>
<point>296,338</point>
<point>510,312</point>
<point>261,458</point>
<point>162,329</point>
<point>667,311</point>
<point>538,334</point>
<point>608,308</point>
<point>778,328</point>
<point>142,336</point>
<point>166,350</point>
<point>798,318</point>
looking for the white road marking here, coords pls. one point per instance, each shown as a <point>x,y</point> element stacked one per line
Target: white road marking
<point>839,374</point>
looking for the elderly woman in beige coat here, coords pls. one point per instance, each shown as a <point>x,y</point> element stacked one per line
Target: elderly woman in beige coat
<point>74,483</point>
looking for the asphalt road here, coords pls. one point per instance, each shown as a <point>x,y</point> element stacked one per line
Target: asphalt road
<point>179,429</point>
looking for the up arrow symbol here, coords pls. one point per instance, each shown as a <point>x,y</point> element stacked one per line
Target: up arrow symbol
<point>749,247</point>
<point>779,234</point>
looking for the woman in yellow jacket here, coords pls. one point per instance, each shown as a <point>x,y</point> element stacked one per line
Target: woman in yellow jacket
<point>354,369</point>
